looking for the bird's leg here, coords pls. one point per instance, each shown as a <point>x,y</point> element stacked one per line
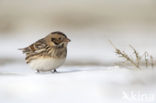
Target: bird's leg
<point>37,71</point>
<point>54,71</point>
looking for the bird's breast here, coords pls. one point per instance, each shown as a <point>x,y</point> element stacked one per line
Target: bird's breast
<point>58,53</point>
<point>46,64</point>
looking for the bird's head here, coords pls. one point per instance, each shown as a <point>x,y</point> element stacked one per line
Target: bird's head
<point>57,39</point>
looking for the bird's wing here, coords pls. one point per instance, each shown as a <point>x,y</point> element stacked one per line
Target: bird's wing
<point>36,47</point>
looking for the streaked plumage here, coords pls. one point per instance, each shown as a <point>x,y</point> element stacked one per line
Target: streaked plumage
<point>47,53</point>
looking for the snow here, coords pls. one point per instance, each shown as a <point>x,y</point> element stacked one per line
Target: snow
<point>88,76</point>
<point>78,84</point>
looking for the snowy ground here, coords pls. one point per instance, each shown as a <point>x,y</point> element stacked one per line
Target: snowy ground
<point>88,76</point>
<point>77,84</point>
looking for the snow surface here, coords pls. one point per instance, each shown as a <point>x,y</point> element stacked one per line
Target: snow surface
<point>82,80</point>
<point>77,84</point>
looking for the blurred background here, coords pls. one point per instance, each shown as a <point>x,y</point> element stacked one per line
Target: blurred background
<point>88,23</point>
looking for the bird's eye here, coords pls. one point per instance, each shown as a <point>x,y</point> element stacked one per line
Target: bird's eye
<point>59,38</point>
<point>52,39</point>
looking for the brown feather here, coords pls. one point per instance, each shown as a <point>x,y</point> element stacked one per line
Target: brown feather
<point>45,47</point>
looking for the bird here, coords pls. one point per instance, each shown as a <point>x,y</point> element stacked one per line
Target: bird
<point>48,53</point>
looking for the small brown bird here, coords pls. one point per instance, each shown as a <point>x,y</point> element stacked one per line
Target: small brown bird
<point>48,53</point>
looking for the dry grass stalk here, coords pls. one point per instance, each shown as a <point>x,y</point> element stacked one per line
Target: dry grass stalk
<point>152,61</point>
<point>125,56</point>
<point>148,59</point>
<point>136,55</point>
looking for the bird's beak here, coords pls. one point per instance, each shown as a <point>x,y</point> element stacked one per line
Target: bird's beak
<point>67,40</point>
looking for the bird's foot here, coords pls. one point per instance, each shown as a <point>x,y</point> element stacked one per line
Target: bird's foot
<point>37,71</point>
<point>54,71</point>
